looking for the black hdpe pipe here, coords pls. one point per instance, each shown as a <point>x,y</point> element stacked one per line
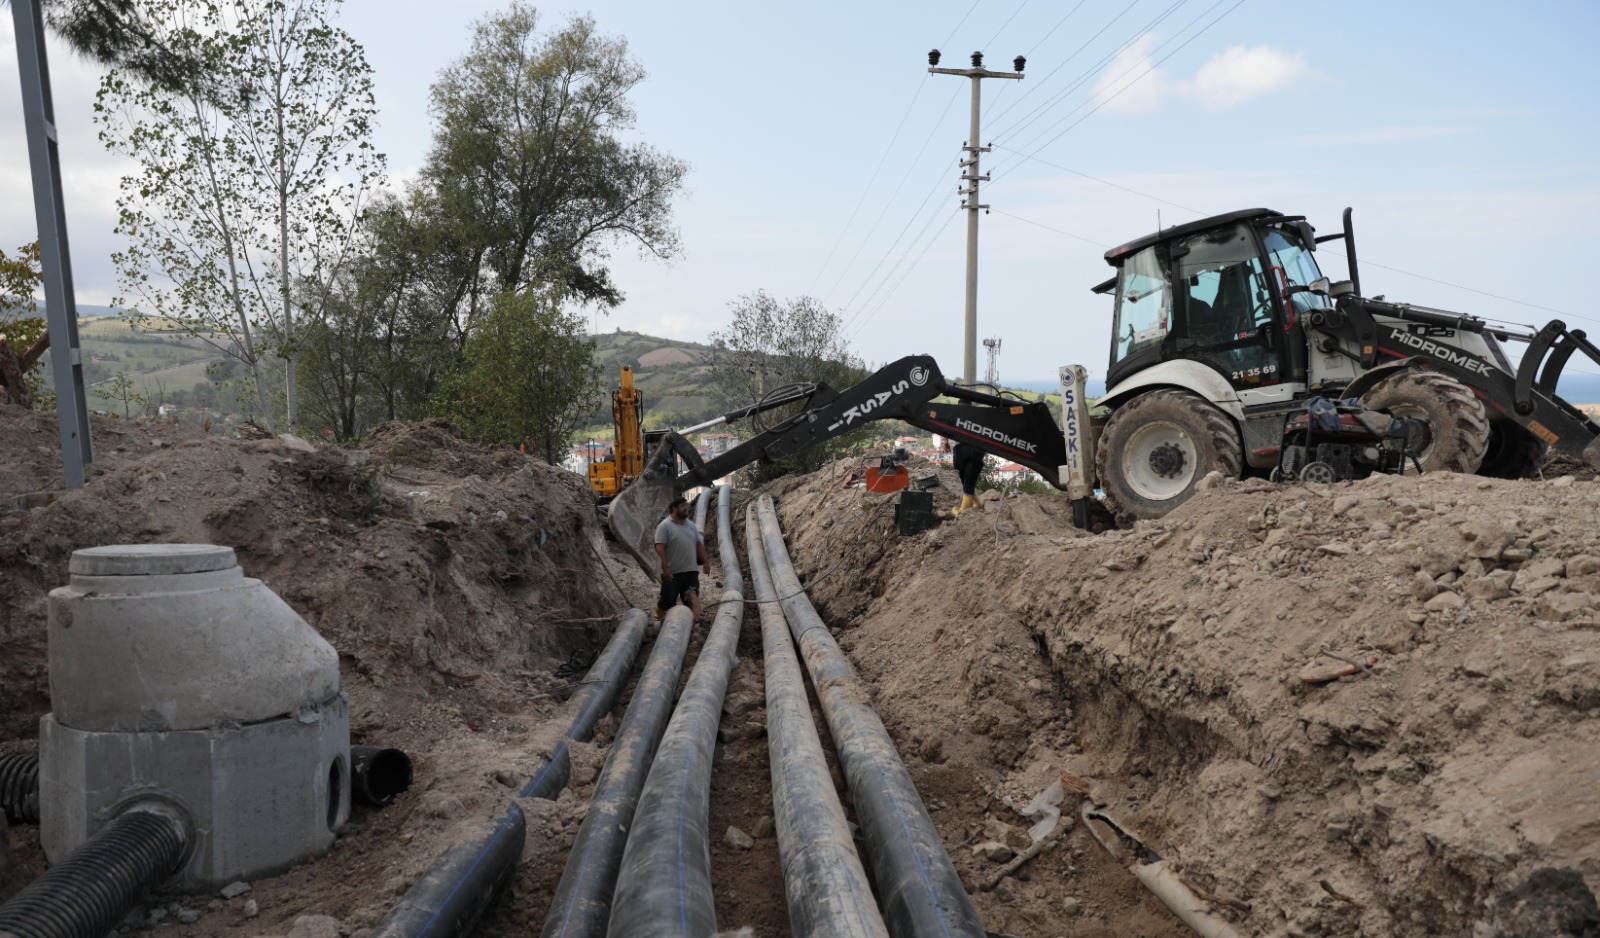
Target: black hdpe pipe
<point>582,902</point>
<point>450,897</point>
<point>378,774</point>
<point>702,504</point>
<point>87,894</point>
<point>829,894</point>
<point>19,789</point>
<point>920,893</point>
<point>664,886</point>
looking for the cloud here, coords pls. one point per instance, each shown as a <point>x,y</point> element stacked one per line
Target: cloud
<point>1132,84</point>
<point>1236,75</point>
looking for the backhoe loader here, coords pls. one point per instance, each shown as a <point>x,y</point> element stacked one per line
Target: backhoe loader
<point>1226,340</point>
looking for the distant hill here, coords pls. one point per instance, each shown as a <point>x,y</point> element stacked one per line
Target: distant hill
<point>674,377</point>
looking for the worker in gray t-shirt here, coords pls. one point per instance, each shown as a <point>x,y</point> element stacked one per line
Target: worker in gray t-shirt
<point>681,549</point>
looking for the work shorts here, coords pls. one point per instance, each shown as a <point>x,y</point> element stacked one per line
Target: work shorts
<point>679,586</point>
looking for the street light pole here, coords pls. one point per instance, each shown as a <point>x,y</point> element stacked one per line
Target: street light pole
<point>969,355</point>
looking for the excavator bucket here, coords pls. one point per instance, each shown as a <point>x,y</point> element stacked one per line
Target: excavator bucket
<point>634,514</point>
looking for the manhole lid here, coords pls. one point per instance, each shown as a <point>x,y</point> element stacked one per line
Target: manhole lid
<point>151,559</point>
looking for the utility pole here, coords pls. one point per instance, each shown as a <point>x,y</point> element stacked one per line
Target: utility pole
<point>969,357</point>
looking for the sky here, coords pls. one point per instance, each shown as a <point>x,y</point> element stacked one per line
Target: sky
<point>823,155</point>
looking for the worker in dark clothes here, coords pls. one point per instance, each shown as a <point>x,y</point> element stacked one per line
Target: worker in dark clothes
<point>968,462</point>
<point>681,549</point>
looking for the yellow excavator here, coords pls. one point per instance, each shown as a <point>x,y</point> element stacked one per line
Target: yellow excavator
<point>631,444</point>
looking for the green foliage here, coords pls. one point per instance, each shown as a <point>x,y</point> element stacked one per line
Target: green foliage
<point>529,184</point>
<point>20,325</point>
<point>121,389</point>
<point>118,33</point>
<point>248,186</point>
<point>771,346</point>
<point>528,376</point>
<point>529,171</point>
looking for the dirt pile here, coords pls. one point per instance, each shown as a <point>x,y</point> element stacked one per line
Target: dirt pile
<point>459,584</point>
<point>1167,663</point>
<point>1446,785</point>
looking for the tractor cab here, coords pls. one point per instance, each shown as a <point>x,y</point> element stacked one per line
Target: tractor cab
<point>1229,292</point>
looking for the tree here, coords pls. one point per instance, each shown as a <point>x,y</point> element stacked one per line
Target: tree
<point>528,375</point>
<point>119,33</point>
<point>386,336</point>
<point>247,188</point>
<point>773,345</point>
<point>24,334</point>
<point>530,177</point>
<point>121,388</point>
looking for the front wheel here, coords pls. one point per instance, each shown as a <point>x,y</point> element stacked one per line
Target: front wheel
<point>1157,446</point>
<point>1513,452</point>
<point>1448,428</point>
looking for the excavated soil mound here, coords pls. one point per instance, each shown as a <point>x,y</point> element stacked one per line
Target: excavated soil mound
<point>1446,785</point>
<point>1449,784</point>
<point>461,585</point>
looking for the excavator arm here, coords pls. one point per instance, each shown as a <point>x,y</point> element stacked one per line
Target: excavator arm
<point>908,390</point>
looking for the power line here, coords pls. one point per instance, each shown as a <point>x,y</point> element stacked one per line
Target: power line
<point>881,159</point>
<point>1153,67</point>
<point>1104,182</point>
<point>1056,230</point>
<point>903,277</point>
<point>879,220</point>
<point>1087,72</point>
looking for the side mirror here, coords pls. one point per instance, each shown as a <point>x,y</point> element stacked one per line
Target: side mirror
<point>1320,286</point>
<point>1308,234</point>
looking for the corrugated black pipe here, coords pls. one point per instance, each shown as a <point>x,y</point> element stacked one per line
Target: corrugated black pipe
<point>582,903</point>
<point>664,887</point>
<point>829,894</point>
<point>87,894</point>
<point>19,789</point>
<point>378,774</point>
<point>920,893</point>
<point>452,895</point>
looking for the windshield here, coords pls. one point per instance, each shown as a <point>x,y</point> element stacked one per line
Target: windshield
<point>1299,268</point>
<point>1143,306</point>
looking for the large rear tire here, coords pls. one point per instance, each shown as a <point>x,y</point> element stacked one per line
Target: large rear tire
<point>1448,427</point>
<point>1157,446</point>
<point>1513,452</point>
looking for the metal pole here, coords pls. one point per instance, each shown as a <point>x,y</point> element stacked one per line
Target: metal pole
<point>61,307</point>
<point>969,348</point>
<point>969,351</point>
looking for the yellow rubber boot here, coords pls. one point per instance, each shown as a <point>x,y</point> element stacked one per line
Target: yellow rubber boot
<point>967,501</point>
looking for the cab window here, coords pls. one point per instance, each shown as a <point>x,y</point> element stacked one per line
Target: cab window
<point>1144,306</point>
<point>1227,308</point>
<point>1298,269</point>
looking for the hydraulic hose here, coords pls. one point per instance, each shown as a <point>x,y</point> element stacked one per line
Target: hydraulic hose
<point>921,894</point>
<point>378,774</point>
<point>828,890</point>
<point>93,887</point>
<point>664,886</point>
<point>19,789</point>
<point>450,897</point>
<point>582,902</point>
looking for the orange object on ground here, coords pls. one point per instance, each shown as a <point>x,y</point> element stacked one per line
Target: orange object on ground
<point>892,479</point>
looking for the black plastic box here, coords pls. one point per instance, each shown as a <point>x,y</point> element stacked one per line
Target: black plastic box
<point>913,514</point>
